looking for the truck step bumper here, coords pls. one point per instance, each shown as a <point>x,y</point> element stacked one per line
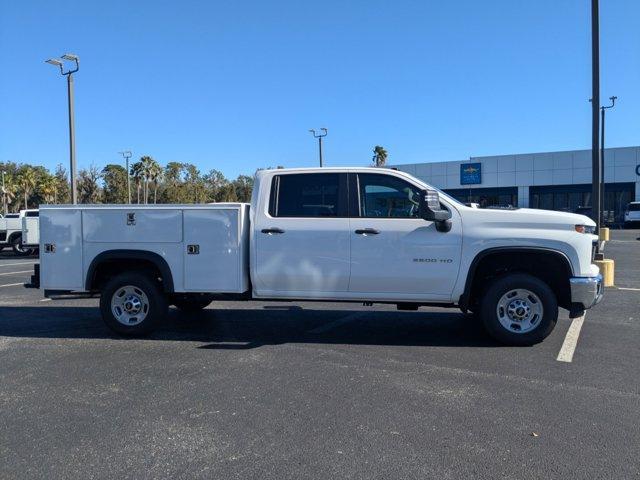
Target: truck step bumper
<point>586,291</point>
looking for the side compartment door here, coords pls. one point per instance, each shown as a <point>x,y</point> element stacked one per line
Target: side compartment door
<point>61,256</point>
<point>302,237</point>
<point>211,250</point>
<point>394,252</point>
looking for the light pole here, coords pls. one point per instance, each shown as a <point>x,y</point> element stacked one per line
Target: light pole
<point>127,155</point>
<point>595,121</point>
<point>4,195</point>
<point>602,109</point>
<point>72,135</point>
<point>319,136</point>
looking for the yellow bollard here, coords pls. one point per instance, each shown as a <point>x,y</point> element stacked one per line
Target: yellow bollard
<point>607,270</point>
<point>604,234</point>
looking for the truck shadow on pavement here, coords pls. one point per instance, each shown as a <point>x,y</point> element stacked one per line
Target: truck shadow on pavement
<point>241,329</point>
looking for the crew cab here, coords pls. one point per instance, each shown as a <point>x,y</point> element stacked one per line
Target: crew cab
<point>369,235</point>
<point>11,232</point>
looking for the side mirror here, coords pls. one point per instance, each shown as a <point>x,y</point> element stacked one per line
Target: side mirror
<point>431,210</point>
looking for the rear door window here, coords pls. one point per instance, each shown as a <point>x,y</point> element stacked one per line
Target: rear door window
<point>319,195</point>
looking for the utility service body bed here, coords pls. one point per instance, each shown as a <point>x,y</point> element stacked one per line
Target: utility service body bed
<point>205,247</point>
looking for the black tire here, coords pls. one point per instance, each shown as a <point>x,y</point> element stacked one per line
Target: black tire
<point>155,301</point>
<point>540,327</point>
<point>191,303</point>
<point>18,249</point>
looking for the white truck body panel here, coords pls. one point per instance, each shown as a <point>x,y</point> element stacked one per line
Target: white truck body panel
<point>30,231</point>
<point>79,233</point>
<point>62,269</point>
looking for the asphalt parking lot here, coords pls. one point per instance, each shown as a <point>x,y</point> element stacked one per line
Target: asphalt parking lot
<point>281,390</point>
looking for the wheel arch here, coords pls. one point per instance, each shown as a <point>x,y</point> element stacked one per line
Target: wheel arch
<point>13,236</point>
<point>124,257</point>
<point>561,288</point>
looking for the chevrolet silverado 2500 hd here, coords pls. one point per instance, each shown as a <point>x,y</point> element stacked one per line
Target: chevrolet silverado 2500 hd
<point>339,234</point>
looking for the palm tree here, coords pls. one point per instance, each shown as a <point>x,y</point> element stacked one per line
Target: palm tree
<point>137,174</point>
<point>379,156</point>
<point>27,182</point>
<point>48,187</point>
<point>155,175</point>
<point>9,191</point>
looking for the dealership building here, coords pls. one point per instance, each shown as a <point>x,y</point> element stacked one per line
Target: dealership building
<point>549,180</point>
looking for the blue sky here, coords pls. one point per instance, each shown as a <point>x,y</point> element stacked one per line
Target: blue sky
<point>236,85</point>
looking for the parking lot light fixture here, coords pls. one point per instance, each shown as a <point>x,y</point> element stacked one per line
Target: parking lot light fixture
<point>319,136</point>
<point>69,57</point>
<point>127,155</point>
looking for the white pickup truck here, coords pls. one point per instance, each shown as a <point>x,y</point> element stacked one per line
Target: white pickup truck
<point>11,232</point>
<point>367,235</point>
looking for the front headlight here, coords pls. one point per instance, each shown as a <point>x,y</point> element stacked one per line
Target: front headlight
<point>585,229</point>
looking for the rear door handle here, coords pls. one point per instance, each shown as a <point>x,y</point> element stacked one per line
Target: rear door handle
<point>367,231</point>
<point>271,231</point>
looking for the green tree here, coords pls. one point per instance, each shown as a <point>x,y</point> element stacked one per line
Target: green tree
<point>137,173</point>
<point>194,181</point>
<point>243,186</point>
<point>155,173</point>
<point>114,178</point>
<point>379,156</point>
<point>27,181</point>
<point>8,192</point>
<point>88,185</point>
<point>63,187</point>
<point>48,188</point>
<point>215,183</point>
<point>173,187</point>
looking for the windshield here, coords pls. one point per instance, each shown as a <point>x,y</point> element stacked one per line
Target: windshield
<point>634,207</point>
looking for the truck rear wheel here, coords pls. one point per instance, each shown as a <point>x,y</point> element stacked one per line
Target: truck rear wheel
<point>18,248</point>
<point>519,309</point>
<point>132,304</point>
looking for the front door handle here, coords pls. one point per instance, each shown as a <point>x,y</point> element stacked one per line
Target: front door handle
<point>271,231</point>
<point>367,231</point>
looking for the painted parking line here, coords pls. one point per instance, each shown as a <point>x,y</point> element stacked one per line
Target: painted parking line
<point>15,273</point>
<point>571,340</point>
<point>12,284</point>
<point>17,263</point>
<point>629,288</point>
<point>337,323</point>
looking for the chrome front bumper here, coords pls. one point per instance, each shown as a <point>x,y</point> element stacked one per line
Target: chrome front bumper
<point>586,291</point>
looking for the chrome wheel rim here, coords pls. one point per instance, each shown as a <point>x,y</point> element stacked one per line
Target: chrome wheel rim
<point>520,311</point>
<point>129,305</point>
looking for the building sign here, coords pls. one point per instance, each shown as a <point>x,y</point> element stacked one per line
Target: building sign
<point>470,173</point>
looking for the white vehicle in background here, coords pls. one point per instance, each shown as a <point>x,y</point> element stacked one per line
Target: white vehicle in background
<point>369,235</point>
<point>31,229</point>
<point>632,215</point>
<point>11,232</point>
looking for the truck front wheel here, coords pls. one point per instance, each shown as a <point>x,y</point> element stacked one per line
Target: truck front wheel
<point>519,309</point>
<point>132,304</point>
